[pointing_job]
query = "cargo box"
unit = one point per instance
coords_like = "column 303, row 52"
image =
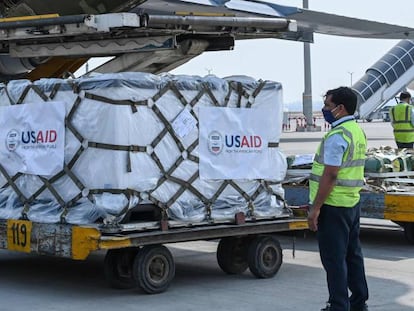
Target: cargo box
column 97, row 149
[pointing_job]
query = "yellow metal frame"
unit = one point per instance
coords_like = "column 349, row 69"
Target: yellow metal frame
column 86, row 240
column 399, row 207
column 298, row 225
column 55, row 67
column 77, row 242
column 27, row 18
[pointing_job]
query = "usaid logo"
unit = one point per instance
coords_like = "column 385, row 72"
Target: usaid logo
column 215, row 142
column 12, row 140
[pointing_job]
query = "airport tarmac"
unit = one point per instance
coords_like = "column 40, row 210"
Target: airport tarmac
column 378, row 133
column 39, row 283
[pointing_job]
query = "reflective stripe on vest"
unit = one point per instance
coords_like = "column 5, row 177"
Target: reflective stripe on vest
column 350, row 177
column 342, row 182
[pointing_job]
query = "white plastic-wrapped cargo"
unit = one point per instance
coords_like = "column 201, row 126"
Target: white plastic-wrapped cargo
column 93, row 149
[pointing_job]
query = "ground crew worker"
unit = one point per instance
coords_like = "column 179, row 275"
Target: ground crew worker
column 402, row 120
column 336, row 179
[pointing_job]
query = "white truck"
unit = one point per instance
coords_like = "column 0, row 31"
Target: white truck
column 381, row 114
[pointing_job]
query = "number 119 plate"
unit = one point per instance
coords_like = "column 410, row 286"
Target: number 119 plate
column 18, row 235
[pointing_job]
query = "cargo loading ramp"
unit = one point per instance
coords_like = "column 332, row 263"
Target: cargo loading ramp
column 172, row 33
column 155, row 43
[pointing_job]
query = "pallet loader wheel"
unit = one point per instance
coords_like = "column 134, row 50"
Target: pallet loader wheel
column 264, row 256
column 232, row 255
column 118, row 267
column 154, row 269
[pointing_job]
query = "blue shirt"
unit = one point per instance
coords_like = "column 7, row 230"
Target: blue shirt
column 335, row 145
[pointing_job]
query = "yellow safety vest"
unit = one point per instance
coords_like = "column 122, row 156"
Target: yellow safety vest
column 401, row 122
column 351, row 174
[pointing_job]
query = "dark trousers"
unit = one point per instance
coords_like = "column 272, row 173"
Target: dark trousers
column 404, row 145
column 341, row 256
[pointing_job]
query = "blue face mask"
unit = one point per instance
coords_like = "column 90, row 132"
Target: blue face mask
column 328, row 115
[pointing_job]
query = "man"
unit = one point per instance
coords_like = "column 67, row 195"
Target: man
column 402, row 118
column 336, row 179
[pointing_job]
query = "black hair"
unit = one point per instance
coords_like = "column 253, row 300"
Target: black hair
column 345, row 96
column 404, row 95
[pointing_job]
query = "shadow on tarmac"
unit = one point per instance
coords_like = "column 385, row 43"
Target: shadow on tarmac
column 200, row 282
column 382, row 244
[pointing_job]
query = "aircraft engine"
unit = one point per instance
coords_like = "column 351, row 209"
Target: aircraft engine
column 13, row 67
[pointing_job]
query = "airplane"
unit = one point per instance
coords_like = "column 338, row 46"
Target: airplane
column 45, row 38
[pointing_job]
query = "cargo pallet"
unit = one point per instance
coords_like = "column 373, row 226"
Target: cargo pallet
column 136, row 256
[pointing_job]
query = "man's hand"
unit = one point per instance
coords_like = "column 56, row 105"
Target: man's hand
column 313, row 218
column 326, row 184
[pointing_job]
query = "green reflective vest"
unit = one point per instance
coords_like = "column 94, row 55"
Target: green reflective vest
column 401, row 122
column 351, row 174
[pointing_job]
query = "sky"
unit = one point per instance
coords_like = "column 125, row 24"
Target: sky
column 334, row 60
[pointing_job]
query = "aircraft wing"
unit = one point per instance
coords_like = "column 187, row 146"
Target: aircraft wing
column 163, row 35
column 307, row 23
column 336, row 25
column 307, row 20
